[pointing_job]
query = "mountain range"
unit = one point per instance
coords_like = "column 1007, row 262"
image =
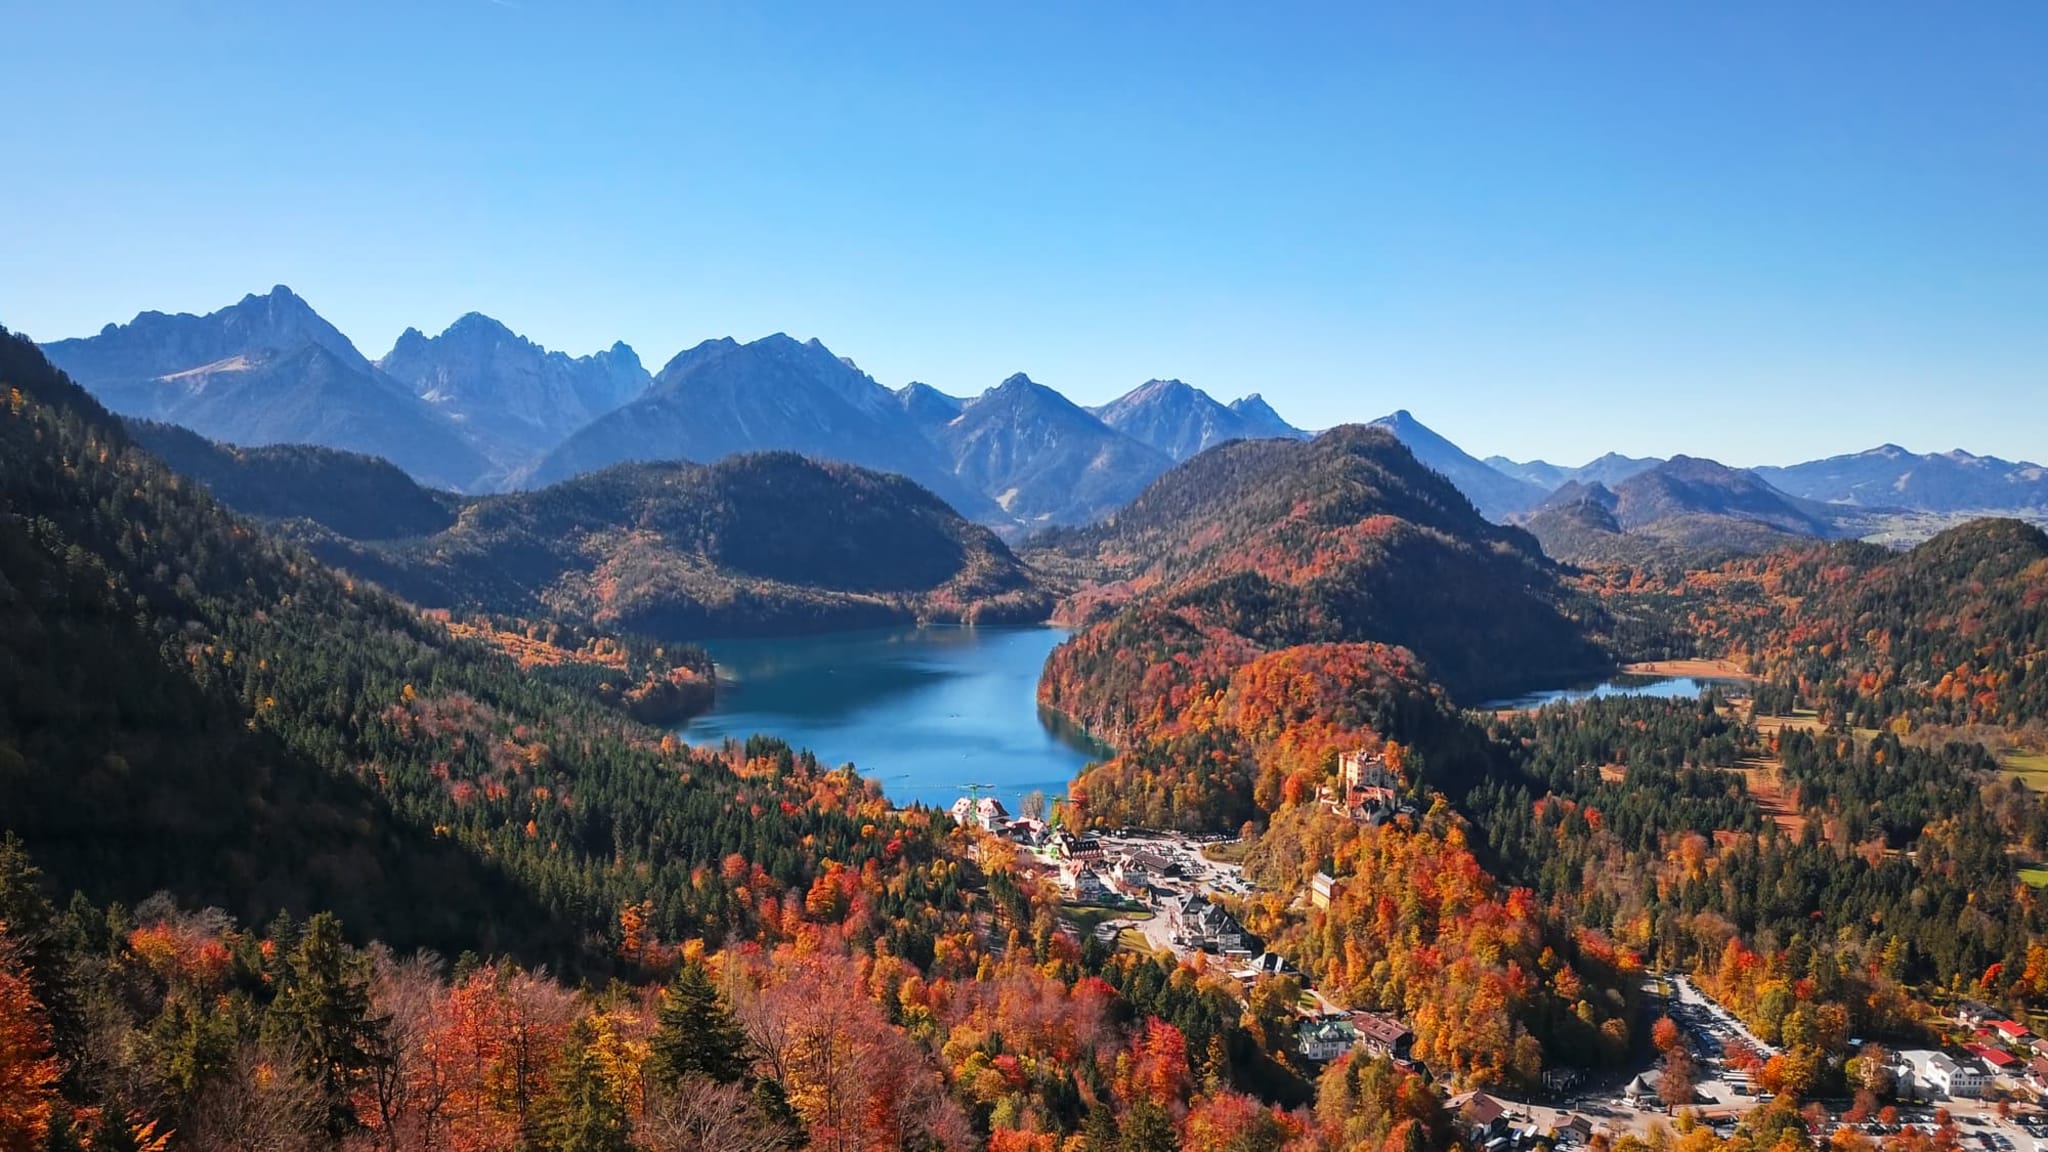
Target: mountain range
column 1890, row 476
column 480, row 408
column 1681, row 508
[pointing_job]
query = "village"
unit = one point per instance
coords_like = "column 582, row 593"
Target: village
column 1165, row 892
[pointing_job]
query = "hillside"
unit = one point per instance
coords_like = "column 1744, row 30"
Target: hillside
column 1946, row 634
column 1042, row 458
column 362, row 497
column 190, row 705
column 1263, row 545
column 1682, row 510
column 268, row 370
column 759, row 543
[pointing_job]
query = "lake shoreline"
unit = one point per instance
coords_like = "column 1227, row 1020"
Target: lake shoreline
column 1696, row 669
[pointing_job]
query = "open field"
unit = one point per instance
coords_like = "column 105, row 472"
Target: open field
column 2034, row 876
column 1804, row 719
column 2031, row 767
column 1698, row 669
column 1087, row 917
column 1761, row 778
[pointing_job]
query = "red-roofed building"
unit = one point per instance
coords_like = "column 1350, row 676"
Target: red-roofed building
column 1999, row 1059
column 2012, row 1030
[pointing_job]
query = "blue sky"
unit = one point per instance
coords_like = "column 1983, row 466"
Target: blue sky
column 1758, row 232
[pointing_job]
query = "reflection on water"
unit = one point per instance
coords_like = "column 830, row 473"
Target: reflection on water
column 1620, row 684
column 924, row 710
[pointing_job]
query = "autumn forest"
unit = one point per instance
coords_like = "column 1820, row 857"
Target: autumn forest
column 339, row 815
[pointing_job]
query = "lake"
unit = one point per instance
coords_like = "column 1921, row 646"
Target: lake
column 1620, row 684
column 923, row 710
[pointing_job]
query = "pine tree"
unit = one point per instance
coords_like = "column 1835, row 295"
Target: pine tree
column 697, row 1034
column 323, row 1011
column 1099, row 1130
column 1147, row 1128
column 580, row 1113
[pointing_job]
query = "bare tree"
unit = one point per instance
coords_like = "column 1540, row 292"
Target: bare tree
column 407, row 1091
column 702, row 1116
column 261, row 1105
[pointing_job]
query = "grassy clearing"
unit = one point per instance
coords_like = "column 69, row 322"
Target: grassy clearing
column 2034, row 876
column 1225, row 852
column 2031, row 767
column 1088, row 917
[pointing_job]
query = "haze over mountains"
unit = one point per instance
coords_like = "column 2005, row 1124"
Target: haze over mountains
column 480, row 408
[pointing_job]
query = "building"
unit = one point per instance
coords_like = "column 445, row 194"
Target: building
column 1383, row 1035
column 1323, row 889
column 1325, row 1038
column 987, row 813
column 1195, row 922
column 1477, row 1115
column 1644, row 1088
column 2013, row 1032
column 1263, row 965
column 1081, row 883
column 1361, row 769
column 1974, row 1012
column 1926, row 1074
column 1997, row 1059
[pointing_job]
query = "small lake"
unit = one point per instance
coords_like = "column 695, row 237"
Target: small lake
column 1621, row 684
column 923, row 710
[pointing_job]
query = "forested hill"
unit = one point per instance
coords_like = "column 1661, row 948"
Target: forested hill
column 759, row 543
column 1342, row 538
column 1316, row 588
column 188, row 704
column 364, row 497
column 1949, row 633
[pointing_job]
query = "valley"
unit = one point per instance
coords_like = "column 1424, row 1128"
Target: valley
column 701, row 729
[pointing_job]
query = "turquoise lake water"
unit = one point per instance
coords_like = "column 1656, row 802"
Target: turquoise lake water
column 924, row 710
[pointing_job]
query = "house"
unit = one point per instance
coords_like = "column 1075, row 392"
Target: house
column 1325, row 1038
column 987, row 812
column 2037, row 1075
column 1644, row 1088
column 1973, row 1012
column 1081, row 883
column 1132, row 880
column 1926, row 1074
column 1477, row 1114
column 1998, row 1058
column 1323, row 889
column 1383, row 1035
column 2013, row 1032
column 1263, row 965
column 1197, row 923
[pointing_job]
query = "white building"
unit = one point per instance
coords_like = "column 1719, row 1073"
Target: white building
column 1326, row 1038
column 987, row 812
column 1924, row 1073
